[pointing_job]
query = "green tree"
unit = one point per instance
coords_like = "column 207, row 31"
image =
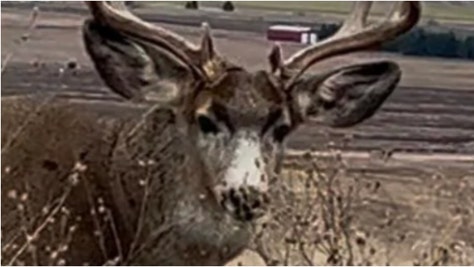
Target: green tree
column 411, row 43
column 469, row 43
column 327, row 30
column 450, row 46
column 441, row 44
column 466, row 48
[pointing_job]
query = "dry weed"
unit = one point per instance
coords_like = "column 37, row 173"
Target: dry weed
column 313, row 221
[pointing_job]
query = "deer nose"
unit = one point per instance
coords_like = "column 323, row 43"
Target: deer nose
column 244, row 203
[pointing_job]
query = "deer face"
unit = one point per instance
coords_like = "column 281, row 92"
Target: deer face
column 238, row 129
column 239, row 120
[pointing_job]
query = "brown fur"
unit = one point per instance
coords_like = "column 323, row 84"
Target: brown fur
column 243, row 99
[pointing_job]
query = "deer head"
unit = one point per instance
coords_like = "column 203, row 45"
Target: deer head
column 237, row 120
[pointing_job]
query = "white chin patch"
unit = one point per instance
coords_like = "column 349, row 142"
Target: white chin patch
column 247, row 167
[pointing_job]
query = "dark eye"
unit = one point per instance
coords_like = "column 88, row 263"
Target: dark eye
column 207, row 125
column 280, row 132
column 271, row 120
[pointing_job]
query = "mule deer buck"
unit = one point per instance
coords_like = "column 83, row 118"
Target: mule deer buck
column 185, row 183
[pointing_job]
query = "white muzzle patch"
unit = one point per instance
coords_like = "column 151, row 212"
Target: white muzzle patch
column 247, row 165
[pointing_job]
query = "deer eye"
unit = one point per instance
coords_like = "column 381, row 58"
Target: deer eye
column 271, row 120
column 280, row 132
column 207, row 125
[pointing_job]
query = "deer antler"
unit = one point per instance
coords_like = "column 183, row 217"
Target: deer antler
column 355, row 35
column 124, row 21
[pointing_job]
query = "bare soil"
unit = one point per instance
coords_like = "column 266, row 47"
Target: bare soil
column 419, row 148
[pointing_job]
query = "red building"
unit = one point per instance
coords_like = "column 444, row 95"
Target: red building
column 286, row 33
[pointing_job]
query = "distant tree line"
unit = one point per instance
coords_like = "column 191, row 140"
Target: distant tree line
column 421, row 42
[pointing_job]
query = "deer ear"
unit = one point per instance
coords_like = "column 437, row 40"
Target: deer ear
column 132, row 68
column 348, row 95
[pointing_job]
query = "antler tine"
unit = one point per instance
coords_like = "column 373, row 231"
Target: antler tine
column 207, row 45
column 120, row 5
column 356, row 35
column 357, row 18
column 123, row 20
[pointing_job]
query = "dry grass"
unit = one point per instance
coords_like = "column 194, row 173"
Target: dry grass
column 316, row 220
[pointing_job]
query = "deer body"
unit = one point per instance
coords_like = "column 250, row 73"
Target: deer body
column 185, row 182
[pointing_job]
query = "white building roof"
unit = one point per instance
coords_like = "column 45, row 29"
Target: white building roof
column 289, row 28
